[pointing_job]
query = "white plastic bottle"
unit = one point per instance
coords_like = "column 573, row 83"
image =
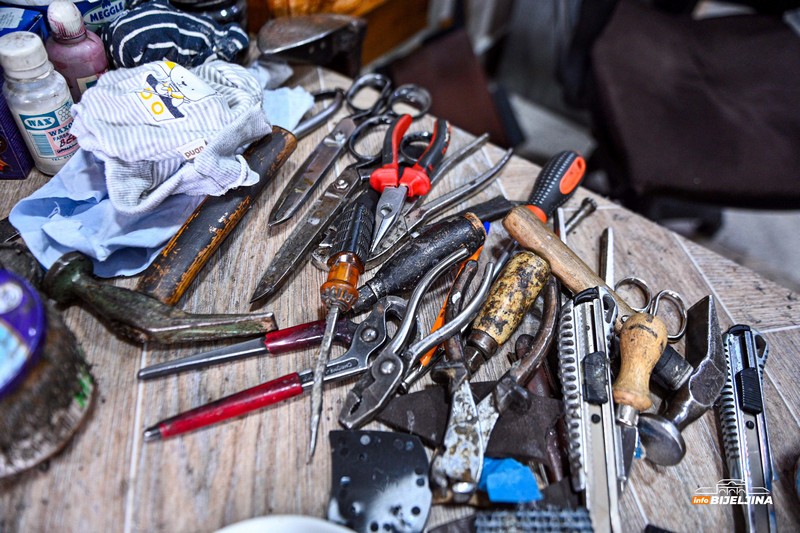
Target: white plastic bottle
column 39, row 100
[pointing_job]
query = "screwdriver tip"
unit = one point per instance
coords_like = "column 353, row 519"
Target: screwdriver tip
column 152, row 434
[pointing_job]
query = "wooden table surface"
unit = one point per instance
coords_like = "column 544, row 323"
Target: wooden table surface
column 108, row 479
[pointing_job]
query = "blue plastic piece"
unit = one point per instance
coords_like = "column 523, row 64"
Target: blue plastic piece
column 508, row 481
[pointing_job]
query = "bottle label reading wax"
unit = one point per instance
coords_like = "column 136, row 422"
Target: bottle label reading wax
column 50, row 133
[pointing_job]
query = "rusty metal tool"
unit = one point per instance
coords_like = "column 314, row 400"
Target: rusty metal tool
column 340, row 290
column 376, row 387
column 671, row 370
column 508, row 391
column 273, row 343
column 178, row 264
column 460, row 462
column 320, row 255
column 325, row 39
column 742, row 415
column 661, row 433
column 584, row 345
column 372, row 333
column 139, row 317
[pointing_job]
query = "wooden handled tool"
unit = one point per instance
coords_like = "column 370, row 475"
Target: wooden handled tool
column 524, row 226
column 641, row 343
column 511, row 296
column 188, row 251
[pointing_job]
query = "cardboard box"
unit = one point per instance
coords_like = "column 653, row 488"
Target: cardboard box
column 15, row 160
column 18, row 19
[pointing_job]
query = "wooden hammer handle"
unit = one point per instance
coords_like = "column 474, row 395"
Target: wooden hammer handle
column 531, row 233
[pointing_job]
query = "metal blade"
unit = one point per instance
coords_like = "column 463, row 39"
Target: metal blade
column 309, row 175
column 308, row 232
column 387, row 212
column 202, row 360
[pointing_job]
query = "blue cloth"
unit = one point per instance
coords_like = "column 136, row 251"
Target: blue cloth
column 73, row 212
column 508, row 481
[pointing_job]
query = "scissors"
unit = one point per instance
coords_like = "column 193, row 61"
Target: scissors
column 323, row 212
column 393, row 181
column 321, row 160
column 652, row 301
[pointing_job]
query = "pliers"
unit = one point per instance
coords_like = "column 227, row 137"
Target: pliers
column 396, row 183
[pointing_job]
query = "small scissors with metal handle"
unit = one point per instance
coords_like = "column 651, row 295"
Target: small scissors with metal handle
column 652, row 301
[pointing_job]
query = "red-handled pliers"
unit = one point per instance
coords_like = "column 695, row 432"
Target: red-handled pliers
column 396, row 183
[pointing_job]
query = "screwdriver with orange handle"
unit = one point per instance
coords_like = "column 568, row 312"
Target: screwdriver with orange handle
column 555, row 184
column 340, row 291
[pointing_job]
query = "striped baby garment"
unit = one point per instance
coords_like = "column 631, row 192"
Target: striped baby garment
column 162, row 129
column 156, row 31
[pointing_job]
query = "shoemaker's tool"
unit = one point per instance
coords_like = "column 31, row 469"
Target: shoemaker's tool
column 652, row 301
column 138, row 317
column 595, row 443
column 434, row 244
column 512, row 295
column 375, row 388
column 46, row 386
column 661, row 433
column 520, row 434
column 349, row 184
column 273, row 343
column 460, row 462
column 742, row 416
column 455, row 472
column 378, row 481
column 420, row 213
column 369, row 337
column 396, row 183
column 340, row 290
column 324, row 39
column 672, row 370
column 317, row 165
column 168, row 277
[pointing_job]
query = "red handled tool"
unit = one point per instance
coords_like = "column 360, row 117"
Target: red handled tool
column 396, row 183
column 369, row 337
column 273, row 343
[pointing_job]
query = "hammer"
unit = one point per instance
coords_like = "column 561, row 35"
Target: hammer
column 671, row 370
column 660, row 433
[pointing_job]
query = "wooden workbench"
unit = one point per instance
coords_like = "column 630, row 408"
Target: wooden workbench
column 108, row 479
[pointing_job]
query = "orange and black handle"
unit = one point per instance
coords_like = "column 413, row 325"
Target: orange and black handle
column 556, row 183
column 349, row 251
column 187, row 252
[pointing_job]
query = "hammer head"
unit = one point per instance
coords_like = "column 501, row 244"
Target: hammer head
column 660, row 433
column 704, row 351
